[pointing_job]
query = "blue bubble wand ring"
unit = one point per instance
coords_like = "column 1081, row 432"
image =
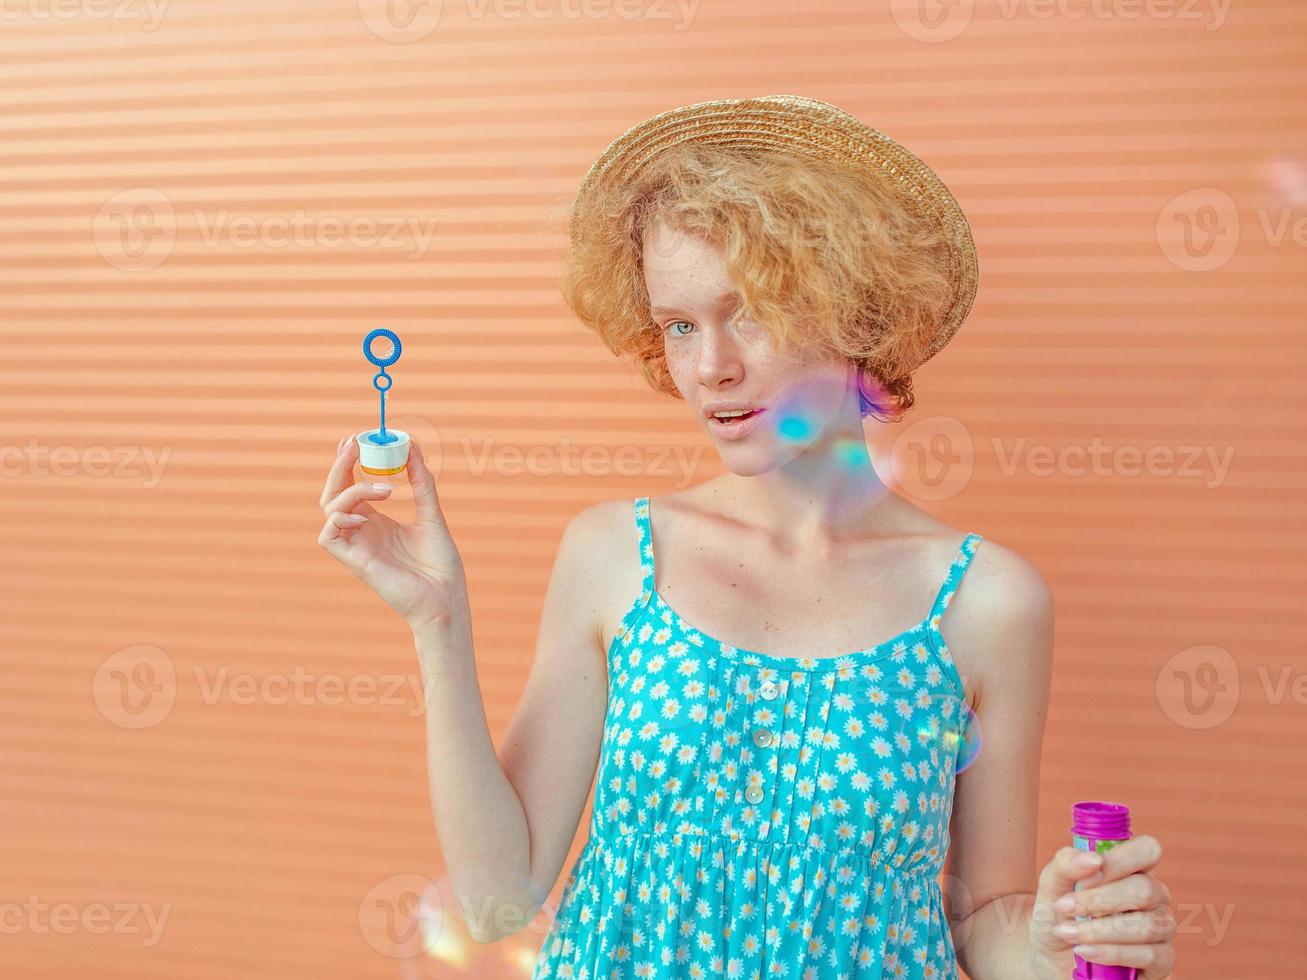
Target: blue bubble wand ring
column 382, row 451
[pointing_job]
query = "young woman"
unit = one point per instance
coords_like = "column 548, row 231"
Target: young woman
column 761, row 667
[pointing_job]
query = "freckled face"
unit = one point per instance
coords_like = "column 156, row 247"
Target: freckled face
column 795, row 395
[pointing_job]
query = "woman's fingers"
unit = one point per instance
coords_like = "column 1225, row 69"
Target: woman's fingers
column 1140, row 853
column 426, row 502
column 1138, row 891
column 356, row 495
column 334, row 535
column 1153, row 960
column 341, row 473
column 1150, row 926
column 1068, row 866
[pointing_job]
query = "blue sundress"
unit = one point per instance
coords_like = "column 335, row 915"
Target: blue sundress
column 765, row 816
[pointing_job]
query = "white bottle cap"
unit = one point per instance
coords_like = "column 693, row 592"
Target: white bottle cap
column 384, row 458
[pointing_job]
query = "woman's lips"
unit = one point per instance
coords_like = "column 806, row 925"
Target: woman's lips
column 737, row 429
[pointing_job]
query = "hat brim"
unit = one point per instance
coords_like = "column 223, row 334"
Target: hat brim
column 805, row 126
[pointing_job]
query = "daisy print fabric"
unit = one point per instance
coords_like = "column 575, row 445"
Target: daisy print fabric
column 757, row 815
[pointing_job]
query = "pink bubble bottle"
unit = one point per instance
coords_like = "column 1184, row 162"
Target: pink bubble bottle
column 1099, row 826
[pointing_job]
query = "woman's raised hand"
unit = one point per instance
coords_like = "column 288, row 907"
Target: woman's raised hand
column 414, row 567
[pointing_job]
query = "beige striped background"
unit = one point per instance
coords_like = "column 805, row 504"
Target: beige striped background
column 203, row 208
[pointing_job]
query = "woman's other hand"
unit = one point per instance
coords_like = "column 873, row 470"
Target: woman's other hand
column 1131, row 921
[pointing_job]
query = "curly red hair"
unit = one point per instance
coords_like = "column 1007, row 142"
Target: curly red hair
column 806, row 241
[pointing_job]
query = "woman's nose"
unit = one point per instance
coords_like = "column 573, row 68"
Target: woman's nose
column 719, row 359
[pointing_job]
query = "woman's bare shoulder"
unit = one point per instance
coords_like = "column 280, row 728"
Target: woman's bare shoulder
column 1000, row 619
column 605, row 541
column 1004, row 587
column 1001, row 587
column 1002, row 596
column 603, row 532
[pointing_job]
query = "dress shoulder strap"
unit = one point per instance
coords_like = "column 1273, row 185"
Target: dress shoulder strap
column 646, row 544
column 956, row 570
column 641, row 602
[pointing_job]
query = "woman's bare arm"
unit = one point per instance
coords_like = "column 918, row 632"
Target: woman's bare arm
column 1002, row 615
column 506, row 823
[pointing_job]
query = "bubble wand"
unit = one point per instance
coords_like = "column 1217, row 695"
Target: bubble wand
column 382, row 451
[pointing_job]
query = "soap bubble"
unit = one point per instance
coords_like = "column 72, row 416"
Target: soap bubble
column 1289, row 179
column 795, row 426
column 970, row 739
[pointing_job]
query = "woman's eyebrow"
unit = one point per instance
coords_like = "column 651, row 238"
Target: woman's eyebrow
column 721, row 301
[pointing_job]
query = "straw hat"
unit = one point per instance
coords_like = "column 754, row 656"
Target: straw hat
column 805, row 126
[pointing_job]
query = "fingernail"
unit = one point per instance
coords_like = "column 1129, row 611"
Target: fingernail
column 382, row 487
column 355, row 518
column 1065, row 904
column 1067, row 930
column 1091, row 881
column 1087, row 861
column 1088, row 952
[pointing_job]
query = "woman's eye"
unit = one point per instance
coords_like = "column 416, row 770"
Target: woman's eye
column 676, row 323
